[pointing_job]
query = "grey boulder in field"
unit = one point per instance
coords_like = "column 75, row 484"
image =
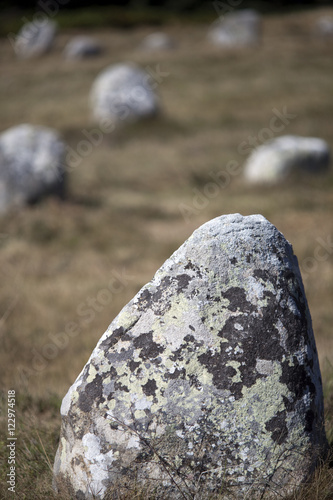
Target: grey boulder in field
column 275, row 160
column 35, row 38
column 236, row 29
column 31, row 165
column 122, row 93
column 207, row 381
column 81, row 47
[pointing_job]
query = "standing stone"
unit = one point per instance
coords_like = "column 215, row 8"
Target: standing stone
column 207, row 381
column 81, row 47
column 31, row 165
column 238, row 29
column 122, row 93
column 273, row 161
column 35, row 38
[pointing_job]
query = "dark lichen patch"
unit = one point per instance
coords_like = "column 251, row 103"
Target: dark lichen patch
column 117, row 334
column 262, row 274
column 309, row 420
column 277, row 425
column 215, row 364
column 155, row 299
column 149, row 348
column 297, row 378
column 150, row 388
column 189, row 345
column 133, row 365
column 118, row 386
column 183, row 282
column 193, row 267
column 195, row 382
column 93, row 392
column 237, row 300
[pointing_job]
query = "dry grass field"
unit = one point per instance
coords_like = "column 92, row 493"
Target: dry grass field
column 137, row 195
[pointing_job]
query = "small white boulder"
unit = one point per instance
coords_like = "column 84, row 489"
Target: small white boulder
column 81, row 47
column 273, row 161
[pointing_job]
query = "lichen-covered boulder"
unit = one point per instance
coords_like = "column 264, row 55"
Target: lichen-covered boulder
column 207, row 381
column 275, row 160
column 122, row 93
column 32, row 165
column 237, row 29
column 35, row 38
column 81, row 47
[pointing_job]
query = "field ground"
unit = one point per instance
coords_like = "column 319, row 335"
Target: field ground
column 140, row 193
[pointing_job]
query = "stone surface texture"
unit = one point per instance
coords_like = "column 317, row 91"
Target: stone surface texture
column 273, row 161
column 35, row 39
column 207, row 381
column 122, row 93
column 81, row 47
column 31, row 165
column 237, row 29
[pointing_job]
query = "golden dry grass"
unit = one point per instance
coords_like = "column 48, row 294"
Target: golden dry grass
column 124, row 213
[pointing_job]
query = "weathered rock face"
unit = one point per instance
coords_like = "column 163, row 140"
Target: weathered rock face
column 238, row 29
column 35, row 38
column 81, row 47
column 207, row 381
column 123, row 93
column 275, row 160
column 31, row 165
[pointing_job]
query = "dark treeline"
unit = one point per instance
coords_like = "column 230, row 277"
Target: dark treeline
column 176, row 5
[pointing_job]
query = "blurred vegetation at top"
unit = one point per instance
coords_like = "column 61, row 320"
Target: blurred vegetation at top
column 129, row 13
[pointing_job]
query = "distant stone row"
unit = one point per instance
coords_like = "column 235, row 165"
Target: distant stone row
column 33, row 163
column 237, row 29
column 33, row 159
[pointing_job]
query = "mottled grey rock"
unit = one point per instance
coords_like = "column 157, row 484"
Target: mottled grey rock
column 157, row 41
column 240, row 28
column 35, row 38
column 31, row 165
column 81, row 47
column 121, row 93
column 273, row 161
column 207, row 381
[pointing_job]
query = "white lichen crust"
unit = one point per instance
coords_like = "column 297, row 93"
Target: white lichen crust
column 207, row 381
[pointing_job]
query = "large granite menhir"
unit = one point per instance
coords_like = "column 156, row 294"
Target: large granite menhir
column 207, row 381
